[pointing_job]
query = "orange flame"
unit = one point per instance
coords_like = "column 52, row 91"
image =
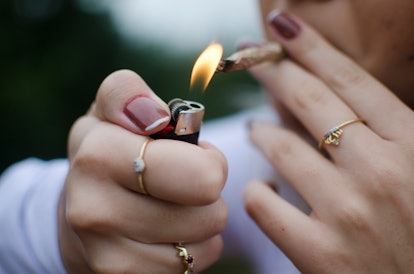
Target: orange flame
column 205, row 66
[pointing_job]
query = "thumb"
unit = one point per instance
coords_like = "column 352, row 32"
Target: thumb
column 126, row 100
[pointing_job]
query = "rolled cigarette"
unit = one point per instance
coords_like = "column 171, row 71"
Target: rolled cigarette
column 252, row 56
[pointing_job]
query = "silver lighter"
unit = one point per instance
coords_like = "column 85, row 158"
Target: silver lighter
column 185, row 124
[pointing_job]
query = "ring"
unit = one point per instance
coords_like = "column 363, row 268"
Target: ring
column 139, row 167
column 188, row 259
column 333, row 136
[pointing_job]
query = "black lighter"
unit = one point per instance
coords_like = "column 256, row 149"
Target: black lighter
column 185, row 124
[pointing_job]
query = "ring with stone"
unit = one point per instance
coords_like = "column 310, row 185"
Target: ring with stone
column 333, row 136
column 139, row 167
column 187, row 258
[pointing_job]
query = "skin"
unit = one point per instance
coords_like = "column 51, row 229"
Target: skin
column 361, row 194
column 376, row 34
column 105, row 224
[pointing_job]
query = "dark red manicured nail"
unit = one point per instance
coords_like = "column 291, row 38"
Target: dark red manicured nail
column 283, row 24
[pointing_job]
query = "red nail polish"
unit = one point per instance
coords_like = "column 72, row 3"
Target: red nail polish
column 284, row 25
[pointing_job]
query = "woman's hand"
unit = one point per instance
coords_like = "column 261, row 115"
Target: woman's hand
column 362, row 195
column 105, row 224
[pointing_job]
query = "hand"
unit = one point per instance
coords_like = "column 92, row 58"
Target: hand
column 362, row 194
column 105, row 224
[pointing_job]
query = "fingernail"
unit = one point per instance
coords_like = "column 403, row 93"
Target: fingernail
column 145, row 113
column 247, row 44
column 283, row 24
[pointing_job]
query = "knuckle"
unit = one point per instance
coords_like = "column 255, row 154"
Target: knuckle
column 284, row 146
column 388, row 179
column 80, row 219
column 277, row 153
column 332, row 257
column 210, row 187
column 77, row 218
column 211, row 181
column 249, row 199
column 218, row 222
column 385, row 172
column 385, row 176
column 109, row 261
column 348, row 75
column 86, row 163
column 89, row 167
column 252, row 200
column 90, row 158
column 89, row 212
column 352, row 216
column 213, row 222
column 311, row 97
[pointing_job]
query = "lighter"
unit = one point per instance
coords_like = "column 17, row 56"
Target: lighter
column 185, row 124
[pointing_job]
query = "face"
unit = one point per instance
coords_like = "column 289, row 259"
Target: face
column 378, row 34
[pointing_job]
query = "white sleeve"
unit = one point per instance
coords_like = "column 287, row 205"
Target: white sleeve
column 30, row 190
column 29, row 194
column 245, row 162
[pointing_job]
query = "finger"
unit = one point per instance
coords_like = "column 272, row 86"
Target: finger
column 79, row 130
column 285, row 225
column 205, row 253
column 301, row 165
column 314, row 105
column 174, row 171
column 188, row 174
column 120, row 255
column 138, row 217
column 125, row 99
column 370, row 100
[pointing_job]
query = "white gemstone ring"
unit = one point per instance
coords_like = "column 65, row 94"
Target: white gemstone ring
column 139, row 167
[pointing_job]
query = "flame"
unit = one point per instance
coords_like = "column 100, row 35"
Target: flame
column 205, row 66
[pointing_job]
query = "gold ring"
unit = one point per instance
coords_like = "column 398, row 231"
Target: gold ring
column 187, row 258
column 333, row 136
column 139, row 167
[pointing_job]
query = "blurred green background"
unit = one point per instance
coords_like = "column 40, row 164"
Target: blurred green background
column 55, row 55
